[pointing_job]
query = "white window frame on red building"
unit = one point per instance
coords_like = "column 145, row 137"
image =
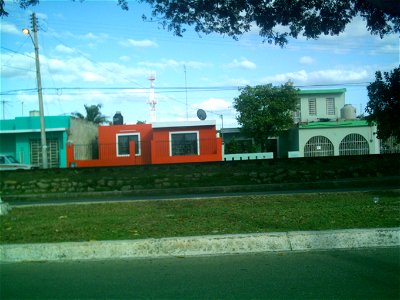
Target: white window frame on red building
column 137, row 148
column 171, row 152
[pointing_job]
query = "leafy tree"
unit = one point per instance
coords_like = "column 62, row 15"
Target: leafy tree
column 233, row 18
column 93, row 114
column 310, row 18
column 384, row 104
column 231, row 147
column 266, row 111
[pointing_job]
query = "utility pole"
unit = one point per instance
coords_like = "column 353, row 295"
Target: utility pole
column 187, row 115
column 39, row 88
column 3, row 102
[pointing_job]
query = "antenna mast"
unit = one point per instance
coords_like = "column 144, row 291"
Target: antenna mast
column 152, row 98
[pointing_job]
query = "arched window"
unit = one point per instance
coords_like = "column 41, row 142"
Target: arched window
column 318, row 146
column 354, row 144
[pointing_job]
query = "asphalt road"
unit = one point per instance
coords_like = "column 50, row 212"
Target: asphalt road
column 343, row 274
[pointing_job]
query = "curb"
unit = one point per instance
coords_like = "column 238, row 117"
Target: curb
column 203, row 245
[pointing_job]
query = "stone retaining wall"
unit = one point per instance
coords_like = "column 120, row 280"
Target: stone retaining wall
column 153, row 177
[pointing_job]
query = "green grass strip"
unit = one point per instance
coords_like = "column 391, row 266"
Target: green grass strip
column 231, row 215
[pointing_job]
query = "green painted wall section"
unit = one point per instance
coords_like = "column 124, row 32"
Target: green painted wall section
column 7, row 125
column 351, row 123
column 326, row 91
column 33, row 123
column 18, row 143
column 7, row 144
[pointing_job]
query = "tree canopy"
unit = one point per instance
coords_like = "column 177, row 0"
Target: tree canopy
column 384, row 104
column 266, row 111
column 93, row 114
column 310, row 18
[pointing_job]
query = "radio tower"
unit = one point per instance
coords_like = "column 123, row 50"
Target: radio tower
column 152, row 98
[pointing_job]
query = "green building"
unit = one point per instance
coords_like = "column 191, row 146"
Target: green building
column 20, row 137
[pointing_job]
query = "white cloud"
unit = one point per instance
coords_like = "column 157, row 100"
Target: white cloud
column 9, row 28
column 56, row 65
column 236, row 82
column 355, row 29
column 213, row 104
column 172, row 63
column 306, row 60
column 139, row 43
column 124, row 58
column 64, row 49
column 299, row 76
column 115, row 101
column 90, row 36
column 69, row 69
column 196, row 64
column 92, row 77
column 101, row 37
column 19, row 66
column 339, row 75
column 388, row 48
column 327, row 76
column 41, row 16
column 242, row 63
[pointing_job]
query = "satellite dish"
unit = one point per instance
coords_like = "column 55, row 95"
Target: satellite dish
column 201, row 114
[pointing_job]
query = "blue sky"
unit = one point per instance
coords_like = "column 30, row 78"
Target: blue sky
column 96, row 53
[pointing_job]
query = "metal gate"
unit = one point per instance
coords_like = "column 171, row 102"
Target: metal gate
column 53, row 153
column 354, row 144
column 318, row 146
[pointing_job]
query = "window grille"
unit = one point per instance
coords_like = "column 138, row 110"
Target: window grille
column 318, row 146
column 53, row 153
column 312, row 107
column 330, row 106
column 354, row 144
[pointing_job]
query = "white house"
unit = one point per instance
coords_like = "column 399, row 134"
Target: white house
column 317, row 105
column 326, row 126
column 344, row 137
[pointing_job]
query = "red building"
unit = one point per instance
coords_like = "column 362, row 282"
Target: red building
column 158, row 143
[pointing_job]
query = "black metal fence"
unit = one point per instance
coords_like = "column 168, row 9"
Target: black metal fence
column 161, row 148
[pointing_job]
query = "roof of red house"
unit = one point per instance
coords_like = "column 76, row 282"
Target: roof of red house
column 183, row 124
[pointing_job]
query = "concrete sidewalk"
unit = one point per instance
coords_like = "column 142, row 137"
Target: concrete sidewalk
column 203, row 245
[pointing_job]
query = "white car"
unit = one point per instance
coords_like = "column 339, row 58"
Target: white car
column 8, row 162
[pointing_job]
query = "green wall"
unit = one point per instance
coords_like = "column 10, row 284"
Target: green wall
column 15, row 136
column 7, row 144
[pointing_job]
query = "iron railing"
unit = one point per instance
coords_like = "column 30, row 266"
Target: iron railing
column 146, row 148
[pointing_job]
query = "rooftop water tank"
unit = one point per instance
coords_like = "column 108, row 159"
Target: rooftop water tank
column 348, row 112
column 118, row 119
column 34, row 113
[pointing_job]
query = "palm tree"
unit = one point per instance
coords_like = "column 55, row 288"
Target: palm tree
column 93, row 114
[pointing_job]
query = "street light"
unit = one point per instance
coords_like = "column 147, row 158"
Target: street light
column 34, row 40
column 26, row 31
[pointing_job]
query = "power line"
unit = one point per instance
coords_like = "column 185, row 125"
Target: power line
column 164, row 90
column 174, row 89
column 17, row 68
column 16, row 52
